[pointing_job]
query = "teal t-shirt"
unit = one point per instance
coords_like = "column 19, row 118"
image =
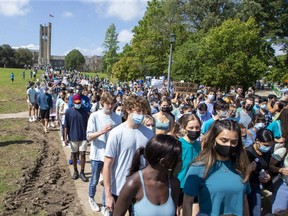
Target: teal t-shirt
column 206, row 125
column 275, row 127
column 189, row 153
column 222, row 192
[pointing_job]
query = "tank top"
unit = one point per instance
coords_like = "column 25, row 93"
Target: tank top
column 145, row 208
column 161, row 125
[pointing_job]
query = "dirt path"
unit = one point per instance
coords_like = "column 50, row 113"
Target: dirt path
column 46, row 188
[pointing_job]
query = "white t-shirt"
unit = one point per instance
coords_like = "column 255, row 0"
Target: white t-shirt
column 31, row 95
column 121, row 145
column 96, row 122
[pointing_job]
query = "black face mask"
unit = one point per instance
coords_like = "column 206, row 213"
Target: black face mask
column 193, row 135
column 225, row 151
column 165, row 109
column 249, row 107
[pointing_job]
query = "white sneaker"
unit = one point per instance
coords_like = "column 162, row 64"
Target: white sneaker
column 105, row 211
column 93, row 205
column 30, row 119
column 33, row 119
column 52, row 125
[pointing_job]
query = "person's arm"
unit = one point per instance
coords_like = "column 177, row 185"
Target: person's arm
column 187, row 205
column 107, row 170
column 245, row 206
column 126, row 196
column 175, row 187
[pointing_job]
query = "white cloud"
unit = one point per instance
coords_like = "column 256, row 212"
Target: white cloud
column 125, row 36
column 67, row 14
column 278, row 49
column 124, row 9
column 88, row 52
column 29, row 46
column 14, row 7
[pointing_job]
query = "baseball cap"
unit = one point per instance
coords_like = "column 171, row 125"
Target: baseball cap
column 76, row 98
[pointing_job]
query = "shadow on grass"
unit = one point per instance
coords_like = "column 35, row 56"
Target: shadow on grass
column 13, row 142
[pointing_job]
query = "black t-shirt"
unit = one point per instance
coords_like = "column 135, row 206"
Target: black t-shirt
column 262, row 162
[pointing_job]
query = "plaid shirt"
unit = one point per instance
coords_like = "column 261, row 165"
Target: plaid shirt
column 268, row 118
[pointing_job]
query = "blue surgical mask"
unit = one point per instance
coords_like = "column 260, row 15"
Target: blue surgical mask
column 264, row 106
column 137, row 118
column 77, row 106
column 264, row 149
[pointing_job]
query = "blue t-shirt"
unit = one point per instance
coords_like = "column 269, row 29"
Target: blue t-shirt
column 275, row 127
column 189, row 152
column 76, row 122
column 222, row 192
column 206, row 125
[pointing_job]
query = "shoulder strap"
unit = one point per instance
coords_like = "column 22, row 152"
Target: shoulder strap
column 142, row 182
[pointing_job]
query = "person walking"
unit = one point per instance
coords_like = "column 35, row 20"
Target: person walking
column 99, row 125
column 75, row 126
column 31, row 101
column 122, row 143
column 219, row 176
column 45, row 104
column 153, row 188
column 12, row 77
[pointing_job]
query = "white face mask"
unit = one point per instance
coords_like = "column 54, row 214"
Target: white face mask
column 150, row 127
column 211, row 97
column 120, row 113
column 258, row 126
column 223, row 114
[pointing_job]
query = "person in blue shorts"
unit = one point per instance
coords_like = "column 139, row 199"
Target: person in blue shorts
column 219, row 175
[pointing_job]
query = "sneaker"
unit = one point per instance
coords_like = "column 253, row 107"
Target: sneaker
column 45, row 130
column 33, row 119
column 75, row 175
column 52, row 125
column 78, row 162
column 93, row 205
column 105, row 211
column 83, row 177
column 30, row 120
column 70, row 161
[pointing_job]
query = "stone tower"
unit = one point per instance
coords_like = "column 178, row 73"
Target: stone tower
column 45, row 45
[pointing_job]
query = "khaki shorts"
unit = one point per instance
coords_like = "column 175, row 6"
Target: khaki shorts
column 78, row 146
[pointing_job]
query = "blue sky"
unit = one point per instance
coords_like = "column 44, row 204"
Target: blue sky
column 77, row 24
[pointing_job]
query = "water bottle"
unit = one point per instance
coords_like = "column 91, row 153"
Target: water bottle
column 262, row 174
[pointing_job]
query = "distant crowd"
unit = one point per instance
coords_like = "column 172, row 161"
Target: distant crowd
column 159, row 152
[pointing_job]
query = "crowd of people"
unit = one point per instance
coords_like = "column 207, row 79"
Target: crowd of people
column 198, row 153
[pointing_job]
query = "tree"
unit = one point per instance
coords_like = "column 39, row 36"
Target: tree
column 23, row 56
column 7, row 56
column 111, row 46
column 231, row 54
column 74, row 60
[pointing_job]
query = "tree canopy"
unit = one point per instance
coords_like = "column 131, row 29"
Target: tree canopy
column 74, row 60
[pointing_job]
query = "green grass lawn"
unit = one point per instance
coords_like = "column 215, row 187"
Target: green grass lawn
column 12, row 156
column 13, row 95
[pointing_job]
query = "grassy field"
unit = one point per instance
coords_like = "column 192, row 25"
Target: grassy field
column 13, row 95
column 13, row 157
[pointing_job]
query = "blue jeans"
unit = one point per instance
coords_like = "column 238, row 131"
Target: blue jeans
column 96, row 167
column 254, row 200
column 280, row 198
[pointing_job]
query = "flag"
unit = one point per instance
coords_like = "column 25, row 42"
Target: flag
column 50, row 15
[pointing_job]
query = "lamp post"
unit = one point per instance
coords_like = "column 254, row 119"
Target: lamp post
column 172, row 41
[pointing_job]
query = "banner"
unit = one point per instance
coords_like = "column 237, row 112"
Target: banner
column 156, row 83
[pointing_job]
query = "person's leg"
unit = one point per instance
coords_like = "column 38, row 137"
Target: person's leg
column 74, row 148
column 29, row 111
column 96, row 167
column 82, row 152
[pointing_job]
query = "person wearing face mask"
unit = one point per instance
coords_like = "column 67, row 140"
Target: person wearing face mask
column 164, row 121
column 244, row 114
column 263, row 110
column 148, row 121
column 31, row 101
column 259, row 155
column 121, row 145
column 219, row 176
column 85, row 101
column 221, row 109
column 202, row 112
column 257, row 123
column 153, row 190
column 191, row 147
column 100, row 123
column 75, row 125
column 118, row 109
column 210, row 100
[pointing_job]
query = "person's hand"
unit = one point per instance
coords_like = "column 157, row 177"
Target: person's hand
column 283, row 171
column 107, row 128
column 265, row 179
column 110, row 202
column 66, row 142
column 252, row 166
